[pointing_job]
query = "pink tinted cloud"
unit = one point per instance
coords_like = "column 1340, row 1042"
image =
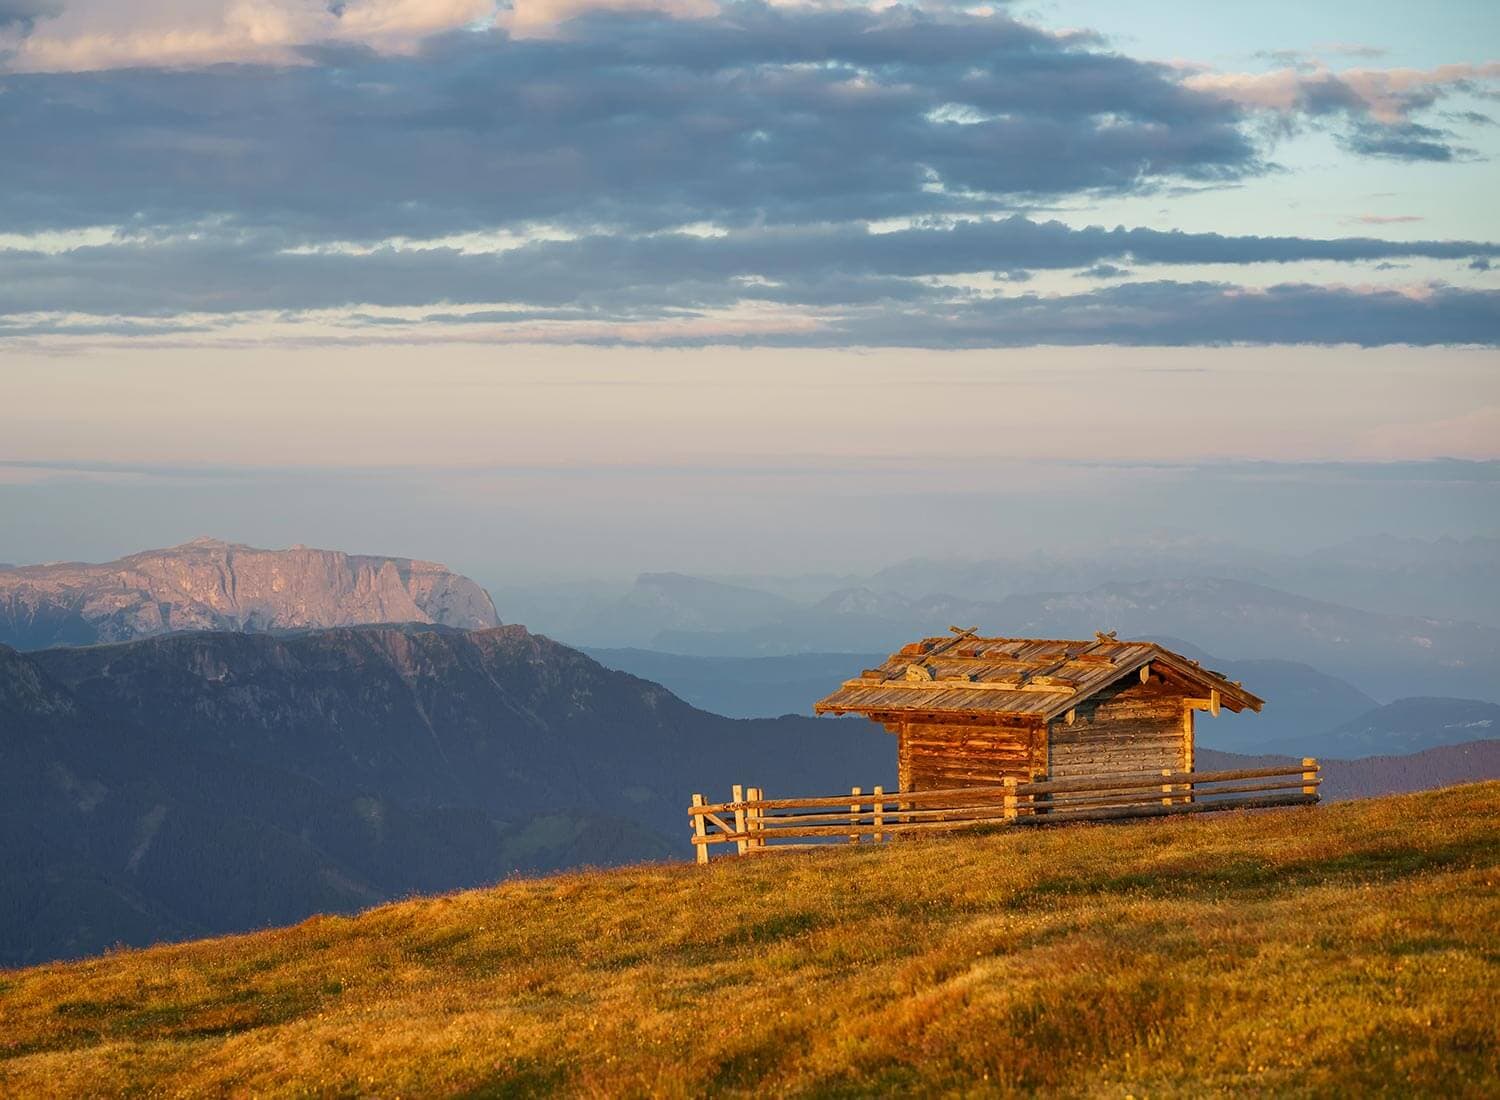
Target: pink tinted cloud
column 537, row 18
column 90, row 35
column 104, row 34
column 1387, row 95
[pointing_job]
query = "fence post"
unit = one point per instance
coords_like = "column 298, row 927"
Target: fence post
column 752, row 819
column 1010, row 797
column 699, row 831
column 1309, row 775
column 737, row 796
column 1166, row 787
column 854, row 793
column 879, row 808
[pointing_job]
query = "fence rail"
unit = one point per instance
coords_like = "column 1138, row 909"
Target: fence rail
column 755, row 824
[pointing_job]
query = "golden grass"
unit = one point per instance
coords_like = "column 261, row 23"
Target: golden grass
column 1344, row 950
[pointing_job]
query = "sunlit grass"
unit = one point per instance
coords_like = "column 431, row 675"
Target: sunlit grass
column 1352, row 949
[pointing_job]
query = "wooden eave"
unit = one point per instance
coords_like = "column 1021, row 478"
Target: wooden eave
column 1034, row 678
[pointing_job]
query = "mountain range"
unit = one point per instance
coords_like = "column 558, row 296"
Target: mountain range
column 1408, row 726
column 1384, row 656
column 1439, row 578
column 205, row 782
column 1449, row 578
column 209, row 584
column 1371, row 776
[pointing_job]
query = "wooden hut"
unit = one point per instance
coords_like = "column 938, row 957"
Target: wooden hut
column 973, row 711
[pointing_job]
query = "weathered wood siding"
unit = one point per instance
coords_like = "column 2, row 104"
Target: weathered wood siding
column 933, row 756
column 1128, row 728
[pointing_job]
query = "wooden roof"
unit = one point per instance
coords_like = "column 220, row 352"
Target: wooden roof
column 1032, row 677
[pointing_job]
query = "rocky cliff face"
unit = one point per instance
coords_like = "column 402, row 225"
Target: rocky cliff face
column 208, row 584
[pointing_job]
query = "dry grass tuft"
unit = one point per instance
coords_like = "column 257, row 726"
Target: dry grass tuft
column 1344, row 950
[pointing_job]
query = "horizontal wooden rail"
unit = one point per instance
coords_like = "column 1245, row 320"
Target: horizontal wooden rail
column 891, row 811
column 1155, row 793
column 843, row 831
column 843, row 800
column 1054, row 786
column 1112, row 814
column 755, row 824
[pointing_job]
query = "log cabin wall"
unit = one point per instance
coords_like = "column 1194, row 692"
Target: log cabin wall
column 934, row 755
column 1129, row 727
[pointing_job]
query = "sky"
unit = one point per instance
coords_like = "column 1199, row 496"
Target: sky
column 573, row 287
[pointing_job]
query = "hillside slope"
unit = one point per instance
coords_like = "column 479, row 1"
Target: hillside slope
column 209, row 584
column 199, row 783
column 1349, row 949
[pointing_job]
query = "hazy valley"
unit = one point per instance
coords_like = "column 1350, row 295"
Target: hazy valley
column 1385, row 655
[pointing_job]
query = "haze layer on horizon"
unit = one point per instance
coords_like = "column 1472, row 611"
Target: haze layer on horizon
column 552, row 463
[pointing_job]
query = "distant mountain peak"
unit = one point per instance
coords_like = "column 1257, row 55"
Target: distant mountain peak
column 211, row 584
column 860, row 601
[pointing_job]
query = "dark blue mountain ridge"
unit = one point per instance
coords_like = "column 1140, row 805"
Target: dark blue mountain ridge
column 195, row 783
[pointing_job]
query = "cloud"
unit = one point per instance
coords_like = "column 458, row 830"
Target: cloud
column 530, row 18
column 1309, row 59
column 1183, row 314
column 23, row 14
column 90, row 35
column 1378, row 103
column 383, row 162
column 764, row 115
column 377, row 21
column 1387, row 95
column 1352, row 49
column 1388, row 219
column 1406, row 141
column 760, row 286
column 102, row 34
column 817, row 266
column 1159, row 314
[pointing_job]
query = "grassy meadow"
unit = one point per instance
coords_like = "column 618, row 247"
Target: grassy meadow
column 1352, row 949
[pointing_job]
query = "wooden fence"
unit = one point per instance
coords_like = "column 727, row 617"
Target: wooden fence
column 755, row 824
